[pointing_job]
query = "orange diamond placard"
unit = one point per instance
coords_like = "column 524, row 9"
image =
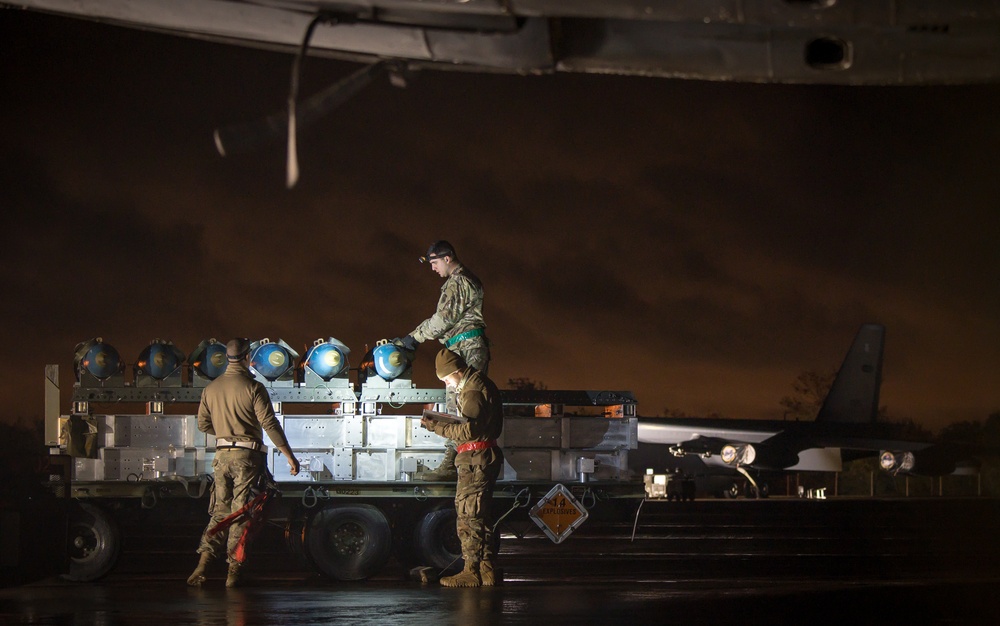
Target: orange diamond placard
column 558, row 514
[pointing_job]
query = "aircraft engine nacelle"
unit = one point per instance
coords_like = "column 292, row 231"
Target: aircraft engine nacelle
column 916, row 463
column 738, row 454
column 757, row 455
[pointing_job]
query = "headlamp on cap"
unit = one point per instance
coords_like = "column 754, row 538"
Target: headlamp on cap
column 438, row 250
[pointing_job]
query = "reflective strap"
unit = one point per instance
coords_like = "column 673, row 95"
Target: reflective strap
column 472, row 446
column 469, row 334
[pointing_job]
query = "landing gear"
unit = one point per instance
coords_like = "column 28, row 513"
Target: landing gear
column 747, row 490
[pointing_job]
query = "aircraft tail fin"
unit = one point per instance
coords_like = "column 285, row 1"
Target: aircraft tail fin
column 854, row 395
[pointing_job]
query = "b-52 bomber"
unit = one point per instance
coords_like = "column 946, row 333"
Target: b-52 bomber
column 846, row 427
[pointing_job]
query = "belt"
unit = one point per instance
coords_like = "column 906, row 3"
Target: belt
column 472, row 446
column 469, row 334
column 231, row 443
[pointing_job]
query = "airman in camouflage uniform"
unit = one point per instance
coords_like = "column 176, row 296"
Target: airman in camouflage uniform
column 479, row 462
column 458, row 324
column 237, row 410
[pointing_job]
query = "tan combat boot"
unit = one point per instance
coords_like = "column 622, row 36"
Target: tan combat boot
column 444, row 472
column 233, row 579
column 468, row 577
column 197, row 577
column 489, row 574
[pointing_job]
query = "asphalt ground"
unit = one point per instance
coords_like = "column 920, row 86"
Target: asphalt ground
column 774, row 561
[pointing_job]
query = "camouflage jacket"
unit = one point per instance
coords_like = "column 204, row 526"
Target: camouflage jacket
column 459, row 309
column 479, row 402
column 235, row 406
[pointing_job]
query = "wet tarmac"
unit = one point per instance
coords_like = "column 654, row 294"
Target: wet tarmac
column 776, row 561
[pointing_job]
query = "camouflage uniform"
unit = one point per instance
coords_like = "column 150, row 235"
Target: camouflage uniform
column 235, row 407
column 459, row 309
column 479, row 402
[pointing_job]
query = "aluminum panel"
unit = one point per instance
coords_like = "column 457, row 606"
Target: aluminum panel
column 386, row 432
column 419, row 437
column 152, row 431
column 375, row 465
column 88, row 469
column 136, row 463
column 316, row 432
column 532, row 432
column 612, row 466
column 527, row 465
column 312, row 467
column 343, row 464
column 600, row 433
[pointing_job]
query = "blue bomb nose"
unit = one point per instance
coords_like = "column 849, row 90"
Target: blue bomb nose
column 102, row 361
column 390, row 361
column 213, row 362
column 159, row 360
column 326, row 360
column 271, row 360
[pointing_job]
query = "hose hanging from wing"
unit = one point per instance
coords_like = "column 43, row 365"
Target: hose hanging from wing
column 241, row 137
column 292, row 164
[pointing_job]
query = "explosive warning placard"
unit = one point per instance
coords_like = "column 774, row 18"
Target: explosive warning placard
column 558, row 513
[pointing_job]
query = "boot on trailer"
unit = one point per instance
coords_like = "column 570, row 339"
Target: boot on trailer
column 444, row 472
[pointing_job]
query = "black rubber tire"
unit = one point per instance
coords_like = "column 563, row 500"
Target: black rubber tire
column 348, row 542
column 436, row 540
column 295, row 532
column 95, row 542
column 733, row 491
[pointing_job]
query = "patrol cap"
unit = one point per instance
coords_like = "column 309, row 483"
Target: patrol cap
column 236, row 349
column 447, row 362
column 437, row 250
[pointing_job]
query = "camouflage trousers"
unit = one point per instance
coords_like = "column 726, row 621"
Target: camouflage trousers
column 237, row 470
column 473, row 503
column 476, row 353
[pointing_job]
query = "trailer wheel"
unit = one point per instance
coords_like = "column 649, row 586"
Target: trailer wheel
column 295, row 532
column 733, row 491
column 94, row 543
column 348, row 542
column 437, row 541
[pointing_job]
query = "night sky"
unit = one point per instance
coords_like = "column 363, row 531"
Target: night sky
column 698, row 243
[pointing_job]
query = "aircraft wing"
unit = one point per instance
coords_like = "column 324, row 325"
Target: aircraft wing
column 846, row 426
column 801, row 446
column 848, row 42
